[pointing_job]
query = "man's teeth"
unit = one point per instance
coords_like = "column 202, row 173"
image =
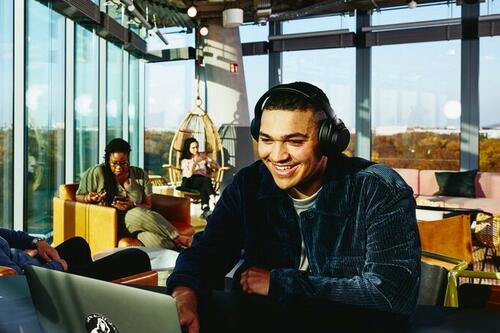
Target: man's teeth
column 283, row 167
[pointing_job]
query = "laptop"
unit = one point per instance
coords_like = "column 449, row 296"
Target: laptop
column 70, row 303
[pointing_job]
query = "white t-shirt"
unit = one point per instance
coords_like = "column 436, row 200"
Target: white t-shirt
column 301, row 205
column 199, row 169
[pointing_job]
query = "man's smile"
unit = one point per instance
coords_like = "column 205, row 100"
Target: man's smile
column 285, row 170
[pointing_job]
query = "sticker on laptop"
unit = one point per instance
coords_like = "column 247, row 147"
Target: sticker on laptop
column 97, row 323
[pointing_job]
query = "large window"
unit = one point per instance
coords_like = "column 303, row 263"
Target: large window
column 423, row 12
column 116, row 11
column 490, row 7
column 114, row 89
column 416, row 105
column 44, row 159
column 133, row 109
column 254, row 32
column 320, row 24
column 489, row 101
column 6, row 111
column 332, row 70
column 256, row 69
column 169, row 98
column 175, row 37
column 86, row 138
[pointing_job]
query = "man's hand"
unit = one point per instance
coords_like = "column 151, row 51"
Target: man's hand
column 48, row 253
column 256, row 281
column 187, row 307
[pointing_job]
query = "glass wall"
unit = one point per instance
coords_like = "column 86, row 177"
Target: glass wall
column 320, row 24
column 114, row 92
column 133, row 109
column 175, row 37
column 416, row 105
column 490, row 7
column 44, row 98
column 116, row 11
column 423, row 12
column 254, row 32
column 256, row 69
column 332, row 70
column 489, row 101
column 86, row 105
column 168, row 101
column 6, row 111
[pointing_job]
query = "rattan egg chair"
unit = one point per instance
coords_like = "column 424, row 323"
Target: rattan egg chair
column 197, row 124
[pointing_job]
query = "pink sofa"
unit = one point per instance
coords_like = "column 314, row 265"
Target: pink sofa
column 424, row 185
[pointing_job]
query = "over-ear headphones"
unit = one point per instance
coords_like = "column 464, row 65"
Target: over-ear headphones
column 333, row 135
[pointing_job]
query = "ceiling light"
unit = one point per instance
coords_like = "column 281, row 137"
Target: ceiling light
column 130, row 8
column 203, row 31
column 412, row 4
column 232, row 17
column 192, row 11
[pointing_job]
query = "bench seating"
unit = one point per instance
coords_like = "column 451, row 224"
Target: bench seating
column 424, row 185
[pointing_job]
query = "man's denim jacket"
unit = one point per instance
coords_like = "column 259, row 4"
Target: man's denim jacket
column 361, row 238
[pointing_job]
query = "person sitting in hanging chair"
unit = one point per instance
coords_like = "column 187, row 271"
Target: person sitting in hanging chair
column 195, row 169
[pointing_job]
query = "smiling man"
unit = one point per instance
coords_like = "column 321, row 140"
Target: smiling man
column 322, row 236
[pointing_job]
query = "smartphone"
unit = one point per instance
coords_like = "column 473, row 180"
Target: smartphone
column 120, row 198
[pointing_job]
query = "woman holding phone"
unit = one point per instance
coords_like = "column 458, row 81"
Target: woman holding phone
column 195, row 168
column 128, row 189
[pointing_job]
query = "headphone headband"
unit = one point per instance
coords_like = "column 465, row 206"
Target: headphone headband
column 333, row 135
column 313, row 98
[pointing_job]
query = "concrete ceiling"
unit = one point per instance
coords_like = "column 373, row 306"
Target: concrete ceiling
column 170, row 13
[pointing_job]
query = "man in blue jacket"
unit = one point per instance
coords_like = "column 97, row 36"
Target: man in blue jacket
column 72, row 256
column 321, row 235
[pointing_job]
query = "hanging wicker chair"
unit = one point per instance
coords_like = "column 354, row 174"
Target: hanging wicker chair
column 197, row 124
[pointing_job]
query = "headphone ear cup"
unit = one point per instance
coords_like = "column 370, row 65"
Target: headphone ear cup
column 343, row 138
column 255, row 128
column 326, row 142
column 333, row 137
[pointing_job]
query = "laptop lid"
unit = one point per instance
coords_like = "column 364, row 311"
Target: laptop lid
column 70, row 303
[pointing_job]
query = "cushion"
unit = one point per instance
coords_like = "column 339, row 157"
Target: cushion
column 456, row 184
column 68, row 192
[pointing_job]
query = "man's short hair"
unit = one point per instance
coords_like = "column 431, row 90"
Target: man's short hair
column 289, row 100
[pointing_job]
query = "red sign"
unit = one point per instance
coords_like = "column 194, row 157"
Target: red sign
column 233, row 68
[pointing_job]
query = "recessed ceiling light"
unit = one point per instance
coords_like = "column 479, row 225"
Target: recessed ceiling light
column 192, row 11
